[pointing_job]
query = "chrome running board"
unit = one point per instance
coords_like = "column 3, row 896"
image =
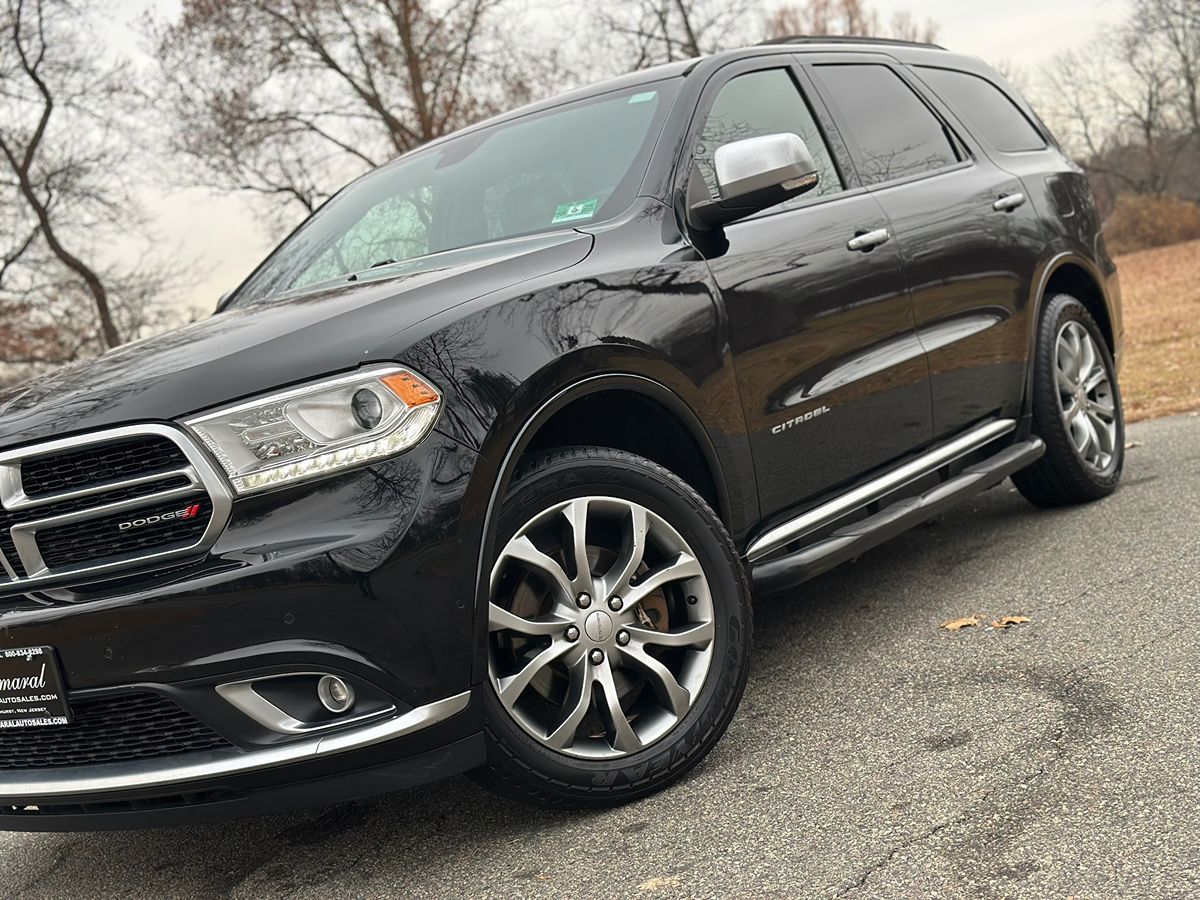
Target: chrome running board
column 857, row 537
column 28, row 788
column 830, row 512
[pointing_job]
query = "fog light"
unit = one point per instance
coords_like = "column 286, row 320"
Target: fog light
column 335, row 695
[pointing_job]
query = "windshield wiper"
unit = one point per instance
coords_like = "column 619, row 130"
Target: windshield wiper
column 383, row 262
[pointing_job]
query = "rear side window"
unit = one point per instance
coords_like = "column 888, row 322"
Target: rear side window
column 986, row 108
column 895, row 133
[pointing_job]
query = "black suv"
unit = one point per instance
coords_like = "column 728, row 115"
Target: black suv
column 476, row 471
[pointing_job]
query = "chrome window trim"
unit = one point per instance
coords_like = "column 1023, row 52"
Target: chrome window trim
column 243, row 696
column 202, row 473
column 794, row 529
column 31, row 787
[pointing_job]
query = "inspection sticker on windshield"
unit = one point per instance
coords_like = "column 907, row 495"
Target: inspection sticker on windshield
column 643, row 97
column 571, row 212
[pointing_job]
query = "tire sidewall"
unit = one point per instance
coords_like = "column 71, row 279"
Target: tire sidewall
column 596, row 472
column 1048, row 421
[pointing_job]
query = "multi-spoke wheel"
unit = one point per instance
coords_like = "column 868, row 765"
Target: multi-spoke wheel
column 618, row 627
column 1076, row 410
column 1085, row 395
column 601, row 626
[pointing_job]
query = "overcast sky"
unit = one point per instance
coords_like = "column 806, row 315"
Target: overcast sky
column 223, row 235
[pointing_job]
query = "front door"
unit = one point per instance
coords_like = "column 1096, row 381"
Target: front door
column 833, row 379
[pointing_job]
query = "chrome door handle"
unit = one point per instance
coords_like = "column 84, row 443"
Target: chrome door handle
column 1009, row 203
column 869, row 240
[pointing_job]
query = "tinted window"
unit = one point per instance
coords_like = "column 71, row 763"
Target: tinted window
column 896, row 133
column 761, row 103
column 987, row 109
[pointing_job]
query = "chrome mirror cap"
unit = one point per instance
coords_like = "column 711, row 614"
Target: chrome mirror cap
column 755, row 174
column 760, row 163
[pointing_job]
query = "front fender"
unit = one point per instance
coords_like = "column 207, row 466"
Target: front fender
column 654, row 326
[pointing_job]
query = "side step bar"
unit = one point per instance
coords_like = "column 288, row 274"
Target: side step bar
column 827, row 513
column 848, row 542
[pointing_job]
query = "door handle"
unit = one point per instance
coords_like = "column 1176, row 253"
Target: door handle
column 1009, row 203
column 868, row 241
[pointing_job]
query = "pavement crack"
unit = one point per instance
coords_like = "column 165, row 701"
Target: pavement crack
column 1056, row 739
column 962, row 818
column 884, row 862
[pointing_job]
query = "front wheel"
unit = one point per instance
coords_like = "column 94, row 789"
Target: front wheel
column 1076, row 410
column 618, row 631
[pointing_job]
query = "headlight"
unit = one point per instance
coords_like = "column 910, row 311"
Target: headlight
column 319, row 428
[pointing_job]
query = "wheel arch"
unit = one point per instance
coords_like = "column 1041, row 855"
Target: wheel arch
column 1072, row 276
column 574, row 405
column 1066, row 273
column 578, row 398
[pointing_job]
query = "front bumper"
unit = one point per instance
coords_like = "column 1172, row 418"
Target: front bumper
column 369, row 576
column 443, row 739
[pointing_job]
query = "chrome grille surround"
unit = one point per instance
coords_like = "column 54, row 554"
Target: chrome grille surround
column 202, row 478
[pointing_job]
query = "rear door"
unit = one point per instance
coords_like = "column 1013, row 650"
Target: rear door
column 966, row 250
column 833, row 379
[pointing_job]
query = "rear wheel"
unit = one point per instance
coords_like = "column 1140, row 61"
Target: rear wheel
column 1076, row 410
column 618, row 635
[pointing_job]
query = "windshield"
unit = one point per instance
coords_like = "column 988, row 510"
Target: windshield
column 563, row 167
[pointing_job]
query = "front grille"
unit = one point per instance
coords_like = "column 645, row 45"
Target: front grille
column 103, row 538
column 63, row 504
column 64, row 507
column 9, row 550
column 109, row 729
column 92, row 466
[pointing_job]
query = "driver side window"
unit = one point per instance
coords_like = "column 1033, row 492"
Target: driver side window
column 759, row 103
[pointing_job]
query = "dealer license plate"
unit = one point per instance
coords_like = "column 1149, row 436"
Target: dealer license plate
column 31, row 689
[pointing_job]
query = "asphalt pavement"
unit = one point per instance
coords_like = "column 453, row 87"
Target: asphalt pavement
column 875, row 754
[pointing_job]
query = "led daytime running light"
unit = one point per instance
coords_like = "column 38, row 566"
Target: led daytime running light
column 333, row 460
column 318, row 429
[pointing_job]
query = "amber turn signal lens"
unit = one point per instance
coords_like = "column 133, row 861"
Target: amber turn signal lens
column 409, row 388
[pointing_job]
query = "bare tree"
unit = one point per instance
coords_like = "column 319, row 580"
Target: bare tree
column 43, row 71
column 1126, row 106
column 1120, row 107
column 1176, row 25
column 846, row 17
column 287, row 99
column 644, row 33
column 66, row 113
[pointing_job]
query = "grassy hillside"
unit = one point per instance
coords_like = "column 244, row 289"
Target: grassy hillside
column 1160, row 372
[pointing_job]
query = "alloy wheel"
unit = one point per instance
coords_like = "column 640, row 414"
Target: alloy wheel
column 1085, row 396
column 600, row 626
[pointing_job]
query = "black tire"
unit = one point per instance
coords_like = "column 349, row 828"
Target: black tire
column 525, row 768
column 1062, row 476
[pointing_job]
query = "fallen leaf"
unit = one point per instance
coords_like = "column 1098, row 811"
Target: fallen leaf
column 956, row 624
column 1005, row 621
column 1129, row 445
column 662, row 881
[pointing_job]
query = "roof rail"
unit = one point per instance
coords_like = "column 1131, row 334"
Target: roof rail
column 844, row 39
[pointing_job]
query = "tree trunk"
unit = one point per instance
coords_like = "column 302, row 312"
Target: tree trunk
column 693, row 47
column 108, row 328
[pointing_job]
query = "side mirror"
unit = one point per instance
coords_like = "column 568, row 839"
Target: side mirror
column 756, row 174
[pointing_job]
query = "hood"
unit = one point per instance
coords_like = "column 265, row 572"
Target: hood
column 244, row 351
